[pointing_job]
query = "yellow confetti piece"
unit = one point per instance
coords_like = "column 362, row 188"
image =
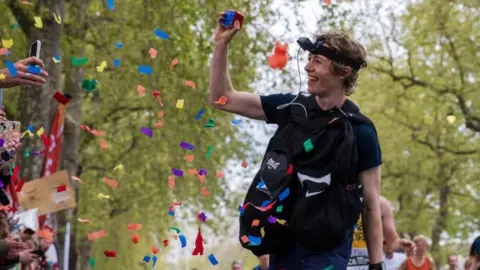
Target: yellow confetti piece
column 27, row 132
column 58, row 18
column 40, row 132
column 84, row 220
column 102, row 66
column 55, row 60
column 262, row 232
column 118, row 167
column 281, row 221
column 7, row 43
column 2, row 76
column 38, row 22
column 101, row 196
column 180, row 103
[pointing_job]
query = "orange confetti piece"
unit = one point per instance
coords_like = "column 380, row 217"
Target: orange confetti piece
column 112, row 183
column 190, row 158
column 103, row 144
column 201, row 178
column 96, row 235
column 155, row 250
column 174, row 63
column 134, row 226
column 245, row 239
column 74, row 178
column 327, row 2
column 160, row 114
column 255, row 222
column 220, row 174
column 47, row 234
column 141, row 90
column 135, row 238
column 222, row 100
column 205, row 192
column 97, row 132
column 192, row 171
column 171, row 181
column 84, row 220
column 159, row 124
column 190, row 83
column 244, row 164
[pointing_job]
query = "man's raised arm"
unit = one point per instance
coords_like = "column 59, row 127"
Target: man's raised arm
column 242, row 103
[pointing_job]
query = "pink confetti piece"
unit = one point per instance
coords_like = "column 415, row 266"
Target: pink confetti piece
column 153, row 53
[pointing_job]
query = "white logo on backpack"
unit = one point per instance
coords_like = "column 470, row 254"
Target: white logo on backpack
column 326, row 179
column 272, row 164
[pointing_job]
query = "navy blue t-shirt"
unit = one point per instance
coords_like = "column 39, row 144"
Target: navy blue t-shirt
column 369, row 153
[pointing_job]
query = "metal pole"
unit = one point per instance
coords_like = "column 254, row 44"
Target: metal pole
column 66, row 249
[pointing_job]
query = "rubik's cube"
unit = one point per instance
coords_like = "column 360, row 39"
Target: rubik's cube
column 230, row 17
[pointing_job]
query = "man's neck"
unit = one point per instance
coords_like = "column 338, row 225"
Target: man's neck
column 335, row 99
column 419, row 257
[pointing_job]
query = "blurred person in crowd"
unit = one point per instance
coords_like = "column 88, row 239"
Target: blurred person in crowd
column 263, row 262
column 453, row 262
column 237, row 265
column 394, row 258
column 23, row 76
column 419, row 260
column 473, row 261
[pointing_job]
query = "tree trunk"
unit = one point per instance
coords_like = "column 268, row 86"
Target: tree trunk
column 70, row 160
column 440, row 222
column 35, row 104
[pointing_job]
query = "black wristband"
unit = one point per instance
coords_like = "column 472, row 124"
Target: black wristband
column 375, row 266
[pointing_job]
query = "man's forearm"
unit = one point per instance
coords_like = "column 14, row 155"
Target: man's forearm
column 373, row 233
column 220, row 83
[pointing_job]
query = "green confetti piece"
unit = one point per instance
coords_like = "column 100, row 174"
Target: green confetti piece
column 91, row 262
column 279, row 209
column 329, row 267
column 211, row 123
column 27, row 152
column 78, row 61
column 308, row 146
column 209, row 152
column 12, row 165
column 177, row 230
column 89, row 85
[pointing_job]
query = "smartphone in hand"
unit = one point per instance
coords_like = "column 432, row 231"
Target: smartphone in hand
column 35, row 48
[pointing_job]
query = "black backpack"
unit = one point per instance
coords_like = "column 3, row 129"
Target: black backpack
column 319, row 154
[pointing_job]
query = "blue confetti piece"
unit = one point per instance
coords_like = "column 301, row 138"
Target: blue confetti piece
column 110, row 4
column 171, row 213
column 186, row 146
column 284, row 194
column 145, row 70
column 118, row 45
column 254, row 241
column 1, row 142
column 31, row 128
column 212, row 259
column 57, row 57
column 261, row 185
column 236, row 121
column 11, row 68
column 116, row 62
column 154, row 260
column 159, row 33
column 183, row 240
column 34, row 69
column 265, row 203
column 199, row 114
column 146, row 259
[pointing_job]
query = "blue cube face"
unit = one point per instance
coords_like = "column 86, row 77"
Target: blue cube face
column 228, row 18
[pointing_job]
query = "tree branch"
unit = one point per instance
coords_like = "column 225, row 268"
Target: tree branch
column 22, row 18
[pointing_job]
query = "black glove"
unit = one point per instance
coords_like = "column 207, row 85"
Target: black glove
column 376, row 266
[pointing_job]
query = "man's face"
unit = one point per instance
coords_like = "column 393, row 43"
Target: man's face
column 264, row 260
column 452, row 261
column 237, row 266
column 321, row 79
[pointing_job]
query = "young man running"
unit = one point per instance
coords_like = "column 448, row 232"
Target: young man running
column 391, row 240
column 330, row 82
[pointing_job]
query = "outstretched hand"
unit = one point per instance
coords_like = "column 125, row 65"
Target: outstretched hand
column 224, row 35
column 23, row 76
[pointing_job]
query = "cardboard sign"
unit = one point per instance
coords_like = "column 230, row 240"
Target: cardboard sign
column 49, row 194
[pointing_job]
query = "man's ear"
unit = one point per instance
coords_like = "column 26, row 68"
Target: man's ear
column 347, row 71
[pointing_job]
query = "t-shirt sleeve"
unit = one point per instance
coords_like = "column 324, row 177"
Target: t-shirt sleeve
column 369, row 152
column 270, row 104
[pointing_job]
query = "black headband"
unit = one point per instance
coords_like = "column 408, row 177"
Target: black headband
column 318, row 48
